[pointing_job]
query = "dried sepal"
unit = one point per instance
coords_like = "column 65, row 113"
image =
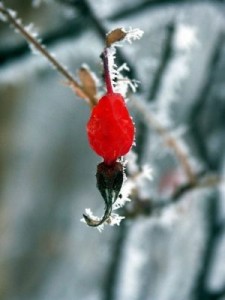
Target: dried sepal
column 79, row 91
column 114, row 36
column 88, row 83
column 87, row 88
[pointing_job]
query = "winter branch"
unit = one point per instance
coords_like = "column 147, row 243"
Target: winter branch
column 169, row 140
column 10, row 17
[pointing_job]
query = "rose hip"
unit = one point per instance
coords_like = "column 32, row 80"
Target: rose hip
column 110, row 128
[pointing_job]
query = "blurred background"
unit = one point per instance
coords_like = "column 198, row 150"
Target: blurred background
column 47, row 170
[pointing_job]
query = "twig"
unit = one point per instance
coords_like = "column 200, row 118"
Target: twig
column 169, row 140
column 148, row 207
column 32, row 40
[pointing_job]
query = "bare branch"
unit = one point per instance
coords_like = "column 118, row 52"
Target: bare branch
column 10, row 18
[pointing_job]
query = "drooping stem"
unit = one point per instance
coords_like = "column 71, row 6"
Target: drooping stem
column 107, row 76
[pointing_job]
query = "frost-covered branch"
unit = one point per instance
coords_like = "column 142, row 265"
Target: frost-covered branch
column 7, row 15
column 151, row 206
column 169, row 140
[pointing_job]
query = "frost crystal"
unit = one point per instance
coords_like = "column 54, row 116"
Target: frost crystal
column 115, row 219
column 122, row 82
column 133, row 34
column 30, row 29
column 12, row 13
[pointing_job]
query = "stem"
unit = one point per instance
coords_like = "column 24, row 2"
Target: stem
column 107, row 76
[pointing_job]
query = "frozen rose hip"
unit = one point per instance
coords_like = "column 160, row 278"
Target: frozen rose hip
column 110, row 128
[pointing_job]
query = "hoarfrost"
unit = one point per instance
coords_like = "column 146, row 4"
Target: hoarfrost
column 13, row 13
column 133, row 34
column 31, row 30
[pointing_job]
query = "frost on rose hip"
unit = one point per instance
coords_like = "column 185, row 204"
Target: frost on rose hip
column 110, row 128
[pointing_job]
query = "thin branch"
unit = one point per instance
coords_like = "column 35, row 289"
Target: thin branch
column 148, row 207
column 14, row 52
column 168, row 139
column 33, row 41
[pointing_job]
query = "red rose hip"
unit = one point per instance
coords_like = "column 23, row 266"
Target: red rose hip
column 110, row 128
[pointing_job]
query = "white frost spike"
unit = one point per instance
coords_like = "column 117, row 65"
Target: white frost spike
column 115, row 219
column 124, row 195
column 124, row 66
column 33, row 49
column 133, row 34
column 30, row 29
column 12, row 13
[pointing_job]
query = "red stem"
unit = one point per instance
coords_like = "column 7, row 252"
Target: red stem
column 107, row 76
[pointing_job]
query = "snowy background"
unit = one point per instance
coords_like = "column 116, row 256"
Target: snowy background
column 47, row 170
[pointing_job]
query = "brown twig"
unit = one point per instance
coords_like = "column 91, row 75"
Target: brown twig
column 33, row 41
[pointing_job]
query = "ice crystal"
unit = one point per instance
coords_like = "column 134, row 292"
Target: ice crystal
column 115, row 219
column 31, row 30
column 121, row 83
column 13, row 13
column 124, row 195
column 133, row 34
